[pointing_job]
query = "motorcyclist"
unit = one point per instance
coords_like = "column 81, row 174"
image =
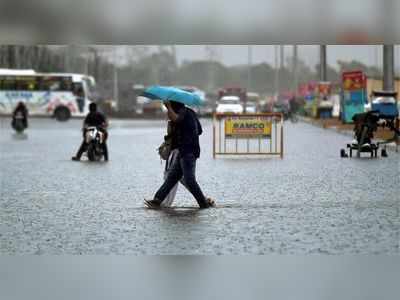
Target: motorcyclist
column 94, row 119
column 22, row 110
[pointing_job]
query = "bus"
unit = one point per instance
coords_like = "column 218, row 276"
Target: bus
column 59, row 95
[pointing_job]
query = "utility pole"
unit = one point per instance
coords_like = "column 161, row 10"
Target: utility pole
column 173, row 51
column 377, row 60
column 249, row 78
column 295, row 70
column 96, row 64
column 87, row 60
column 277, row 87
column 12, row 57
column 66, row 58
column 71, row 54
column 70, row 58
column 281, row 65
column 323, row 64
column 397, row 62
column 211, row 56
column 115, row 89
column 249, row 65
column 388, row 67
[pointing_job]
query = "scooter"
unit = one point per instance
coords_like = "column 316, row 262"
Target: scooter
column 18, row 123
column 94, row 140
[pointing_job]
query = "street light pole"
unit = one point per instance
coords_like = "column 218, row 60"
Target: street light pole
column 323, row 62
column 295, row 72
column 249, row 65
column 211, row 58
column 388, row 67
column 249, row 79
column 116, row 98
column 377, row 61
column 12, row 57
column 277, row 87
column 87, row 60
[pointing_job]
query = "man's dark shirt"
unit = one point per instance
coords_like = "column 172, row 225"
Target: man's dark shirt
column 172, row 136
column 96, row 119
column 21, row 109
column 188, row 131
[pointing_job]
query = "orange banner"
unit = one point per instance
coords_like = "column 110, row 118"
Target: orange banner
column 354, row 80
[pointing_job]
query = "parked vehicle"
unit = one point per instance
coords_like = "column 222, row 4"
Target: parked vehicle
column 280, row 107
column 251, row 107
column 385, row 104
column 230, row 104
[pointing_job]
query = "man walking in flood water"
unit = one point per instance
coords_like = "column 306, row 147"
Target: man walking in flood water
column 188, row 130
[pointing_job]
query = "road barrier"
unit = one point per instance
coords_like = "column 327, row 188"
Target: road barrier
column 248, row 134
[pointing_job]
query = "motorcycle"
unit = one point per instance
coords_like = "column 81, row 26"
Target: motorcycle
column 94, row 140
column 18, row 123
column 287, row 113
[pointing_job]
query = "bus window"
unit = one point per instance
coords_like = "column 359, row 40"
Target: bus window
column 55, row 84
column 66, row 84
column 27, row 84
column 46, row 84
column 8, row 84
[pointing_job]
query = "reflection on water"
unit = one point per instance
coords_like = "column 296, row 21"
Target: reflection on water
column 20, row 136
column 182, row 212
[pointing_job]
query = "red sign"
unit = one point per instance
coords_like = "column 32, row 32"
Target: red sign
column 307, row 89
column 354, row 80
column 324, row 88
column 232, row 91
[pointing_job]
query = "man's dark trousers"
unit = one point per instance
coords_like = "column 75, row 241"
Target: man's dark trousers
column 184, row 166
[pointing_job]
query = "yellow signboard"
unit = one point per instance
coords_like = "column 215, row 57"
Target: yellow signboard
column 247, row 127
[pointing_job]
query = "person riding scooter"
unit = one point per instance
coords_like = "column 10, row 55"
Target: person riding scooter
column 20, row 111
column 94, row 119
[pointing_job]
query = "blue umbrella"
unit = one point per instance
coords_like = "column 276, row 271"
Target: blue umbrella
column 164, row 93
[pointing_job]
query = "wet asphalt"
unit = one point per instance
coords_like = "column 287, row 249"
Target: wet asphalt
column 310, row 202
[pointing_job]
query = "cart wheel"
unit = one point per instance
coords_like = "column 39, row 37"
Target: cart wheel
column 343, row 153
column 384, row 153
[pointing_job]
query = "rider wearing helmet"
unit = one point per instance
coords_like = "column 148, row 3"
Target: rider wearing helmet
column 94, row 119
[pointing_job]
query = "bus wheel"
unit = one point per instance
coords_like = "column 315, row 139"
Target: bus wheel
column 62, row 114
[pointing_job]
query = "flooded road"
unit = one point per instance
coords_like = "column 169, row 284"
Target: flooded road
column 309, row 202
